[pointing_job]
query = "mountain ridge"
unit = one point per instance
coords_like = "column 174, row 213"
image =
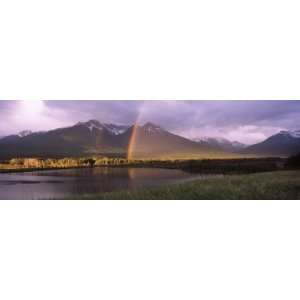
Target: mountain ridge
column 283, row 143
column 137, row 141
column 221, row 143
column 95, row 138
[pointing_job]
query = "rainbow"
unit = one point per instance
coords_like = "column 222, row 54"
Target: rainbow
column 132, row 141
column 133, row 138
column 142, row 113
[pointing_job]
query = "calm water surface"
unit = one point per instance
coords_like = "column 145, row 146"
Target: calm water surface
column 58, row 184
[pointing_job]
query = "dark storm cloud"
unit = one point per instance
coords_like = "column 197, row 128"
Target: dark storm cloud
column 248, row 121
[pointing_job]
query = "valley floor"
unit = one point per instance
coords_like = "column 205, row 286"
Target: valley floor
column 270, row 185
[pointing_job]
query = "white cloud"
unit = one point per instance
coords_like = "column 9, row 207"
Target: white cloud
column 33, row 115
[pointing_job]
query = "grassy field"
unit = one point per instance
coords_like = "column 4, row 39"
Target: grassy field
column 269, row 185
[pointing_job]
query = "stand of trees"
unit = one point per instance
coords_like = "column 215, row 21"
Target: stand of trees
column 49, row 163
column 293, row 161
column 41, row 163
column 216, row 166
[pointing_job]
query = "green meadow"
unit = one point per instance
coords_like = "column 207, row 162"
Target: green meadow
column 269, row 185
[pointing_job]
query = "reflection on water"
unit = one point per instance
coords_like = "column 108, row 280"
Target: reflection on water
column 56, row 184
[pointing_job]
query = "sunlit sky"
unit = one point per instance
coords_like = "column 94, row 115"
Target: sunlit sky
column 245, row 121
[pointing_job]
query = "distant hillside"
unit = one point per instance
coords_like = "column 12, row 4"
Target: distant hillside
column 221, row 144
column 83, row 138
column 284, row 143
column 152, row 141
column 95, row 138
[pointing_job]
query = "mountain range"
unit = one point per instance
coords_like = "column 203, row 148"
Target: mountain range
column 95, row 138
column 221, row 143
column 137, row 141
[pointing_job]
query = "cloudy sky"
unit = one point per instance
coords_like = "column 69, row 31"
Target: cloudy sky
column 245, row 121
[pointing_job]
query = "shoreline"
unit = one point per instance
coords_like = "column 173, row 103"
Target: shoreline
column 28, row 170
column 225, row 167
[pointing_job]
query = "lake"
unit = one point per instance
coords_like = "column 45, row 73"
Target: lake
column 68, row 183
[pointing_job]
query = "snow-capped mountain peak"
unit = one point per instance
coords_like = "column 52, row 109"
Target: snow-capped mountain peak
column 116, row 129
column 90, row 124
column 94, row 124
column 151, row 128
column 208, row 139
column 283, row 143
column 220, row 142
column 24, row 133
column 293, row 133
column 111, row 128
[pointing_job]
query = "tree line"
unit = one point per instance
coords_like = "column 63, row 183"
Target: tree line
column 66, row 162
column 249, row 165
